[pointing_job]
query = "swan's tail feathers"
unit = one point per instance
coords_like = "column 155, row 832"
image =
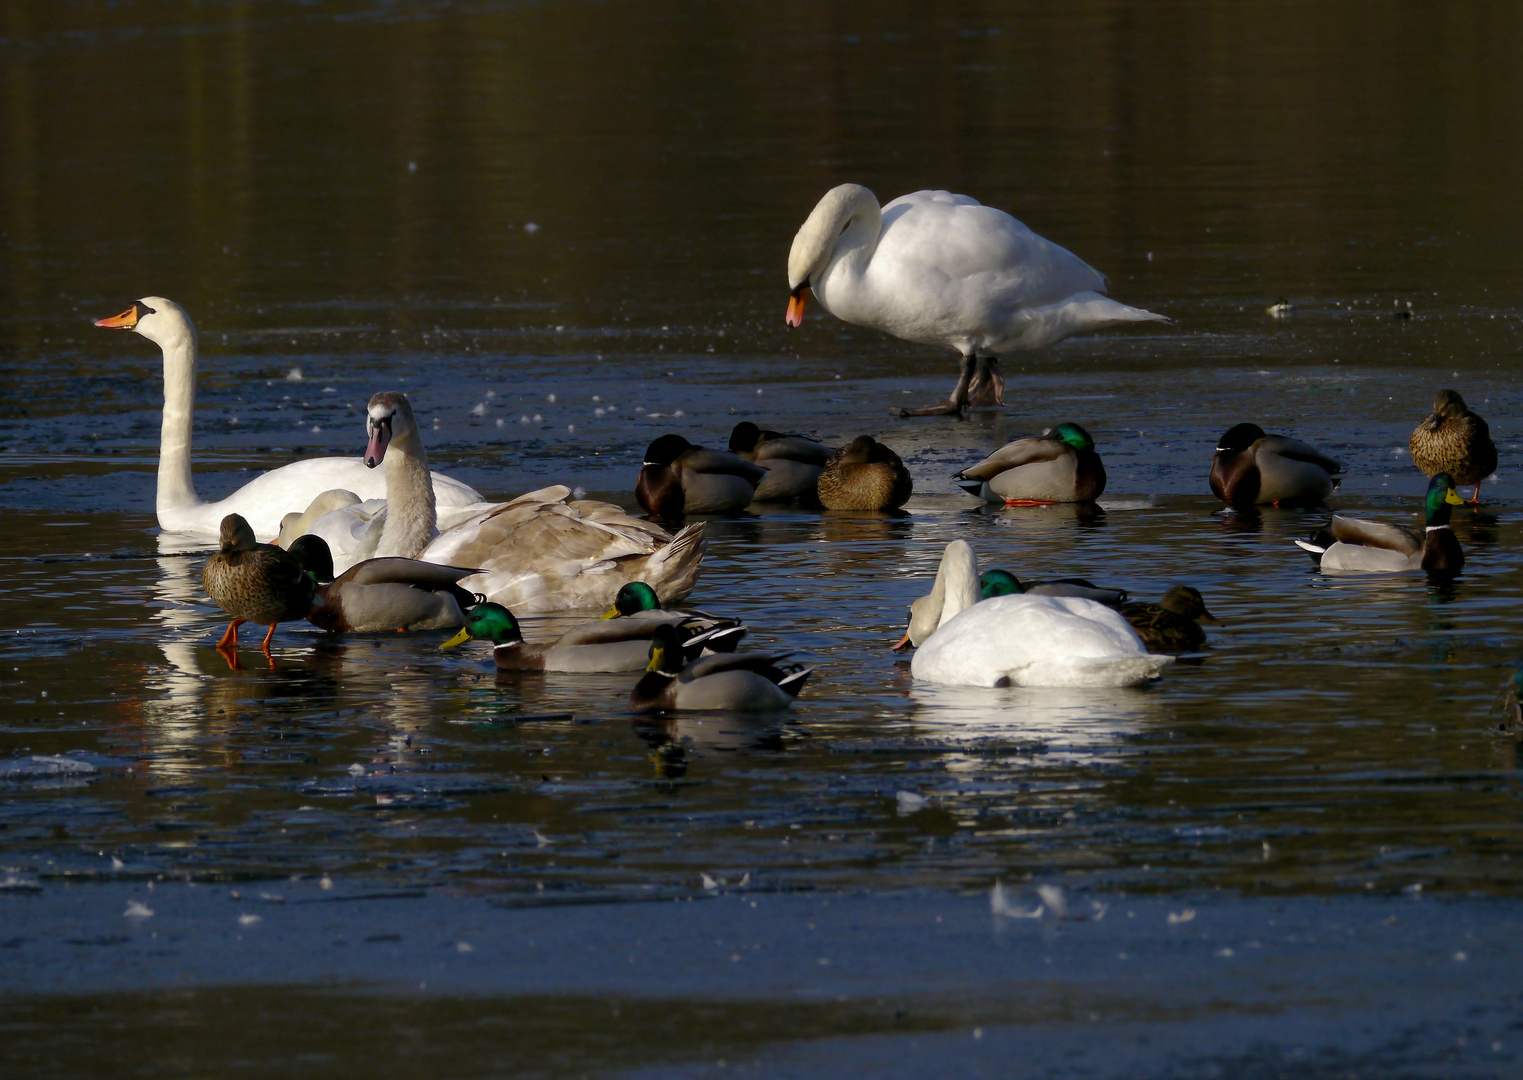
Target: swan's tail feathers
column 1106, row 311
column 673, row 569
column 1120, row 671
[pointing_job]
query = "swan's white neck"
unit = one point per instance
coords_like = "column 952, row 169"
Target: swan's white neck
column 411, row 516
column 955, row 591
column 177, row 492
column 852, row 253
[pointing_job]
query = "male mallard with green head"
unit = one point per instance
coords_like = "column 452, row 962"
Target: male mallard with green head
column 678, row 478
column 1348, row 545
column 1456, row 441
column 793, row 463
column 1003, row 583
column 385, row 595
column 1058, row 466
column 864, row 475
column 1251, row 468
column 254, row 582
column 742, row 682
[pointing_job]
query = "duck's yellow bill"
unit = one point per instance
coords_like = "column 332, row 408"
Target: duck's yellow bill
column 459, row 639
column 611, row 613
column 1452, row 497
column 125, row 321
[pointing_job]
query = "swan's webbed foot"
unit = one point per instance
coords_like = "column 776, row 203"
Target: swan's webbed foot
column 956, row 401
column 987, row 390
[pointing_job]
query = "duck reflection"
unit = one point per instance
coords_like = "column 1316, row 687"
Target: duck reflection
column 673, row 736
column 1047, row 519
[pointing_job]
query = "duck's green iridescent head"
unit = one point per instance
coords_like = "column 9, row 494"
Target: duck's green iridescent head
column 487, row 622
column 1073, row 435
column 314, row 556
column 998, row 583
column 1441, row 496
column 634, row 596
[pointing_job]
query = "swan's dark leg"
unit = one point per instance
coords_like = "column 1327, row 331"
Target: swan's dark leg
column 987, row 391
column 954, row 404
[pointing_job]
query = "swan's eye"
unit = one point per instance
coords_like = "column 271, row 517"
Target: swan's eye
column 844, row 228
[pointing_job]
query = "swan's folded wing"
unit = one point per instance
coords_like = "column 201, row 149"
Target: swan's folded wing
column 793, row 448
column 1297, row 450
column 1375, row 534
column 396, row 570
column 1013, row 455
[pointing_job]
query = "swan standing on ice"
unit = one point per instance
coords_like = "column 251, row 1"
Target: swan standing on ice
column 264, row 499
column 943, row 269
column 1021, row 640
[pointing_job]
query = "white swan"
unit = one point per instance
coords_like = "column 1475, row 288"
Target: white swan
column 1020, row 640
column 262, row 500
column 543, row 551
column 943, row 269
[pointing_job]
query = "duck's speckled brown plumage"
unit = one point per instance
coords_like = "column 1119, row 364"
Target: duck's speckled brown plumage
column 864, row 475
column 255, row 582
column 1173, row 624
column 1454, row 440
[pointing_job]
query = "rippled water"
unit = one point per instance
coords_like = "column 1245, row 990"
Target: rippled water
column 486, row 205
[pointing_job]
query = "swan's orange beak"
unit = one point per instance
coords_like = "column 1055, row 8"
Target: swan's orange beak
column 125, row 321
column 795, row 316
column 904, row 644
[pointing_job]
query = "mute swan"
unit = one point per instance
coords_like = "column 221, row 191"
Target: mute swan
column 543, row 551
column 1251, row 468
column 254, row 582
column 679, row 478
column 1371, row 547
column 261, row 501
column 793, row 463
column 1059, row 466
column 864, row 475
column 742, row 682
column 1456, row 441
column 943, row 269
column 1020, row 640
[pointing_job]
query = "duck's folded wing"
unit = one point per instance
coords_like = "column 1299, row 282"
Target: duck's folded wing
column 611, row 631
column 792, row 448
column 774, row 666
column 1375, row 534
column 702, row 460
column 1013, row 455
column 1297, row 450
column 396, row 570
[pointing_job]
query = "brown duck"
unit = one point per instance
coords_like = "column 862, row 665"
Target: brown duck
column 864, row 475
column 1456, row 441
column 254, row 582
column 1173, row 624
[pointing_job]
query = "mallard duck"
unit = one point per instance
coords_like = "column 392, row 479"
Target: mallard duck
column 864, row 475
column 543, row 551
column 1058, row 466
column 1019, row 640
column 263, row 499
column 606, row 644
column 679, row 478
column 941, row 269
column 793, row 463
column 1348, row 545
column 1251, row 468
column 254, row 582
column 1173, row 624
column 743, row 682
column 1456, row 441
column 380, row 596
column 1004, row 583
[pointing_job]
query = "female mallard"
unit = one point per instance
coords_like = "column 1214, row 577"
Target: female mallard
column 1019, row 640
column 606, row 644
column 254, row 582
column 1348, row 545
column 380, row 596
column 1058, row 466
column 864, row 475
column 1456, row 441
column 743, row 682
column 793, row 463
column 1173, row 624
column 1251, row 468
column 679, row 478
column 1004, row 583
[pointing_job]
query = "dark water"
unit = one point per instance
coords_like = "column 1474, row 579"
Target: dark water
column 488, row 204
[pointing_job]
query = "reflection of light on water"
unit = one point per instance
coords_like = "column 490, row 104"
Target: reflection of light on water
column 175, row 707
column 1059, row 717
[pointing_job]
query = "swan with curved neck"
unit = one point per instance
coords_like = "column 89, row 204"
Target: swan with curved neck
column 943, row 269
column 263, row 500
column 1019, row 640
column 543, row 551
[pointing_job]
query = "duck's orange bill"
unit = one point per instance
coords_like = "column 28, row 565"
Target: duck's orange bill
column 795, row 316
column 125, row 321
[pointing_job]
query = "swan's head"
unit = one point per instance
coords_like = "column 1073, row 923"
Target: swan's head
column 161, row 321
column 387, row 417
column 815, row 243
column 1239, row 437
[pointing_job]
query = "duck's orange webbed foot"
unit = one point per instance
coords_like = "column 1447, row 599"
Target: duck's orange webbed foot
column 1029, row 502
